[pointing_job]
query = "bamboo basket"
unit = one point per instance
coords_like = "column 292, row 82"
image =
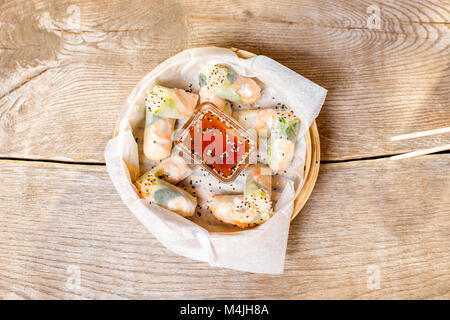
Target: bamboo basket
column 312, row 161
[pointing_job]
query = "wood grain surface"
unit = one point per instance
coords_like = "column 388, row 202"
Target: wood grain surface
column 65, row 79
column 71, row 217
column 66, row 68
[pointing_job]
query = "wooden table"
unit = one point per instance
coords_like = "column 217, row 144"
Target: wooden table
column 373, row 227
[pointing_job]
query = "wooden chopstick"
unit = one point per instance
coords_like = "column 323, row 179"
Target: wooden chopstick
column 421, row 152
column 420, row 134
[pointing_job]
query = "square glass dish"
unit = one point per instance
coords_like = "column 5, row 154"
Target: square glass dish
column 217, row 142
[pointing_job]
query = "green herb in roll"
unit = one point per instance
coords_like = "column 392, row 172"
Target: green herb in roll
column 166, row 195
column 171, row 103
column 281, row 148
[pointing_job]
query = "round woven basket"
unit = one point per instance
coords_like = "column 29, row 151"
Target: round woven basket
column 312, row 161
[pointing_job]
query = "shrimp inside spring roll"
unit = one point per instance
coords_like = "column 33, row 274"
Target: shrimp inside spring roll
column 158, row 134
column 281, row 148
column 166, row 195
column 252, row 208
column 208, row 96
column 227, row 84
column 173, row 169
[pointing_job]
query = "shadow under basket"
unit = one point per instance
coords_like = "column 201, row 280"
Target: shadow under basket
column 312, row 161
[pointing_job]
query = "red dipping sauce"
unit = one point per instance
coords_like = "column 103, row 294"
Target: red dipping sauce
column 217, row 141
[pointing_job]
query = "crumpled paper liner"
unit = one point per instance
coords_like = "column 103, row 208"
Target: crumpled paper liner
column 261, row 249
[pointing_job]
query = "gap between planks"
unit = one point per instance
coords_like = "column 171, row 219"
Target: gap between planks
column 90, row 163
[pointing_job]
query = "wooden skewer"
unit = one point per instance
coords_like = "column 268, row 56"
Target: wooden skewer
column 420, row 134
column 421, row 152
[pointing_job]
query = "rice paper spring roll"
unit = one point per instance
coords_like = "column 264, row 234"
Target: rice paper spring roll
column 173, row 169
column 257, row 193
column 250, row 209
column 171, row 103
column 165, row 194
column 208, row 96
column 281, row 148
column 261, row 120
column 229, row 208
column 158, row 135
column 227, row 84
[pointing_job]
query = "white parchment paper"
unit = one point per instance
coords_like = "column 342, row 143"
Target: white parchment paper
column 202, row 237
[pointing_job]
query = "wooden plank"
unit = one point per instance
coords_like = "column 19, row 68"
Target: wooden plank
column 63, row 85
column 363, row 216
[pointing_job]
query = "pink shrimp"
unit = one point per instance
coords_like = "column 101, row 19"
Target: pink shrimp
column 188, row 101
column 182, row 206
column 284, row 155
column 229, row 209
column 208, row 96
column 262, row 175
column 247, row 89
column 265, row 118
column 173, row 169
column 158, row 139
